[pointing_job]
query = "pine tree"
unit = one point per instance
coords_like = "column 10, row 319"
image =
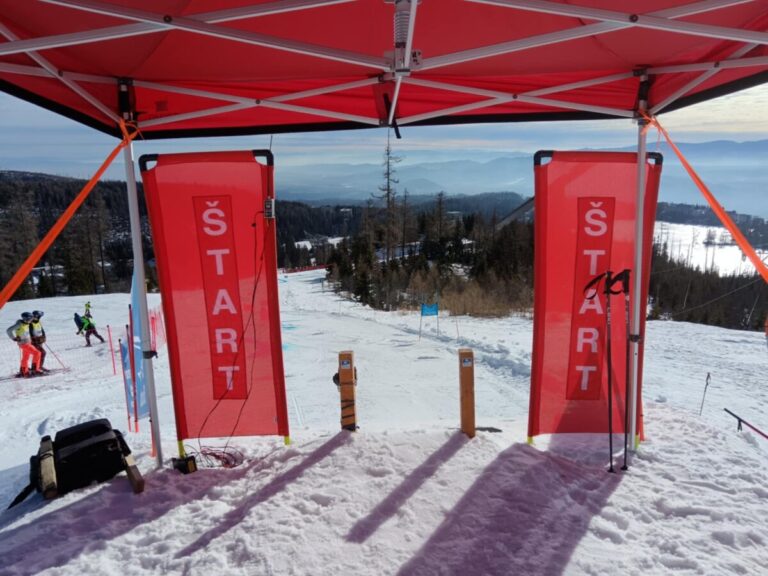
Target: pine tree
column 18, row 237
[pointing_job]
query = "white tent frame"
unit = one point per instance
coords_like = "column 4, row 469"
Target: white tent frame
column 404, row 67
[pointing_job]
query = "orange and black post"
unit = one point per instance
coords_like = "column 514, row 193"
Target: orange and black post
column 467, row 384
column 347, row 383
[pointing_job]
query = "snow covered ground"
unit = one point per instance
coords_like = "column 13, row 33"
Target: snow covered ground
column 407, row 494
column 710, row 248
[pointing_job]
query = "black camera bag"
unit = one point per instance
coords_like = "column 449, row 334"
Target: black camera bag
column 86, row 453
column 82, row 454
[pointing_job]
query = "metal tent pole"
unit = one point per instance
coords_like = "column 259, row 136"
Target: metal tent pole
column 138, row 269
column 637, row 304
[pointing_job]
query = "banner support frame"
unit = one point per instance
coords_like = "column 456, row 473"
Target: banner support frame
column 138, row 269
column 637, row 306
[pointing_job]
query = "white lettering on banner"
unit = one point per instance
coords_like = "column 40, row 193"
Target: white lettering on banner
column 229, row 371
column 221, row 290
column 593, row 254
column 594, row 233
column 591, row 304
column 591, row 218
column 208, row 218
column 587, row 336
column 223, row 302
column 217, row 254
column 226, row 337
column 585, row 371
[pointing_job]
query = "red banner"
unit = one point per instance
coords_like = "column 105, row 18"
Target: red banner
column 586, row 212
column 216, row 260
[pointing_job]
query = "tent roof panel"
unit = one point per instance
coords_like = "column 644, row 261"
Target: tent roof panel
column 251, row 63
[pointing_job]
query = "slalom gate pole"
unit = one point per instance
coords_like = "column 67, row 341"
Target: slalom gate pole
column 111, row 350
column 706, row 385
column 56, row 356
column 132, row 361
column 610, row 367
column 625, row 289
column 153, row 331
column 421, row 318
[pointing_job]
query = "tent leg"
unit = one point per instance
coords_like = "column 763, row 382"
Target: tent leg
column 138, row 267
column 637, row 304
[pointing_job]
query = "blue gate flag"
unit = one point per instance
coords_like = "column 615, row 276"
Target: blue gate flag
column 429, row 309
column 141, row 387
column 125, row 362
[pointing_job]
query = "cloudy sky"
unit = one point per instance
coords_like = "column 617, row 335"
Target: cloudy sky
column 34, row 139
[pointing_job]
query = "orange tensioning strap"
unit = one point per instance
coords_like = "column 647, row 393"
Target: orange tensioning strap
column 24, row 270
column 743, row 243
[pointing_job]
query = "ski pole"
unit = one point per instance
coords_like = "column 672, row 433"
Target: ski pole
column 625, row 289
column 55, row 356
column 706, row 385
column 610, row 367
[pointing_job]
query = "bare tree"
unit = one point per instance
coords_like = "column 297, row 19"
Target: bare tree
column 403, row 238
column 388, row 194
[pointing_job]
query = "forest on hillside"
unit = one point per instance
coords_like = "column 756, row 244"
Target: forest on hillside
column 396, row 251
column 93, row 252
column 472, row 265
column 469, row 266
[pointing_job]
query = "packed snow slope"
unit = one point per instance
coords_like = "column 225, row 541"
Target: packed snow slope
column 407, row 494
column 708, row 248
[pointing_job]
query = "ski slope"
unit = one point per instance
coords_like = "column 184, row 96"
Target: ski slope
column 407, row 494
column 708, row 248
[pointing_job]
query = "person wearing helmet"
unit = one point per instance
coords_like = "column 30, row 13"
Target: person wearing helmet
column 89, row 327
column 19, row 333
column 37, row 333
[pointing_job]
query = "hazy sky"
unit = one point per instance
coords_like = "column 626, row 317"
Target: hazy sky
column 34, row 139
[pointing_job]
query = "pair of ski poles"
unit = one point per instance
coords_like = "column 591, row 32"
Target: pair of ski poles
column 611, row 281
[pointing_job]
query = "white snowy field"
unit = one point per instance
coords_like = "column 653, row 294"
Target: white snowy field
column 710, row 248
column 407, row 494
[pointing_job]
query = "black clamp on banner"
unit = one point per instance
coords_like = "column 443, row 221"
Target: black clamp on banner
column 185, row 465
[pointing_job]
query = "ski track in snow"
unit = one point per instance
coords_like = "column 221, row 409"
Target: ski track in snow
column 407, row 494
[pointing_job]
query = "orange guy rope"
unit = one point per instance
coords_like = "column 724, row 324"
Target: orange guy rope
column 719, row 211
column 53, row 233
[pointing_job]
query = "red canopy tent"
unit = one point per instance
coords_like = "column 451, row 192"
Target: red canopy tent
column 227, row 67
column 213, row 67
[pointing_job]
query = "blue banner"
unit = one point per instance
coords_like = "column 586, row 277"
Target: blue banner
column 141, row 388
column 429, row 309
column 125, row 363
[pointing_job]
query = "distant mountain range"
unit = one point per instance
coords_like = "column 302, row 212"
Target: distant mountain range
column 737, row 173
column 356, row 182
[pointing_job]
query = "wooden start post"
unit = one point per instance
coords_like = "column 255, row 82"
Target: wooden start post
column 347, row 383
column 48, row 485
column 467, row 383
